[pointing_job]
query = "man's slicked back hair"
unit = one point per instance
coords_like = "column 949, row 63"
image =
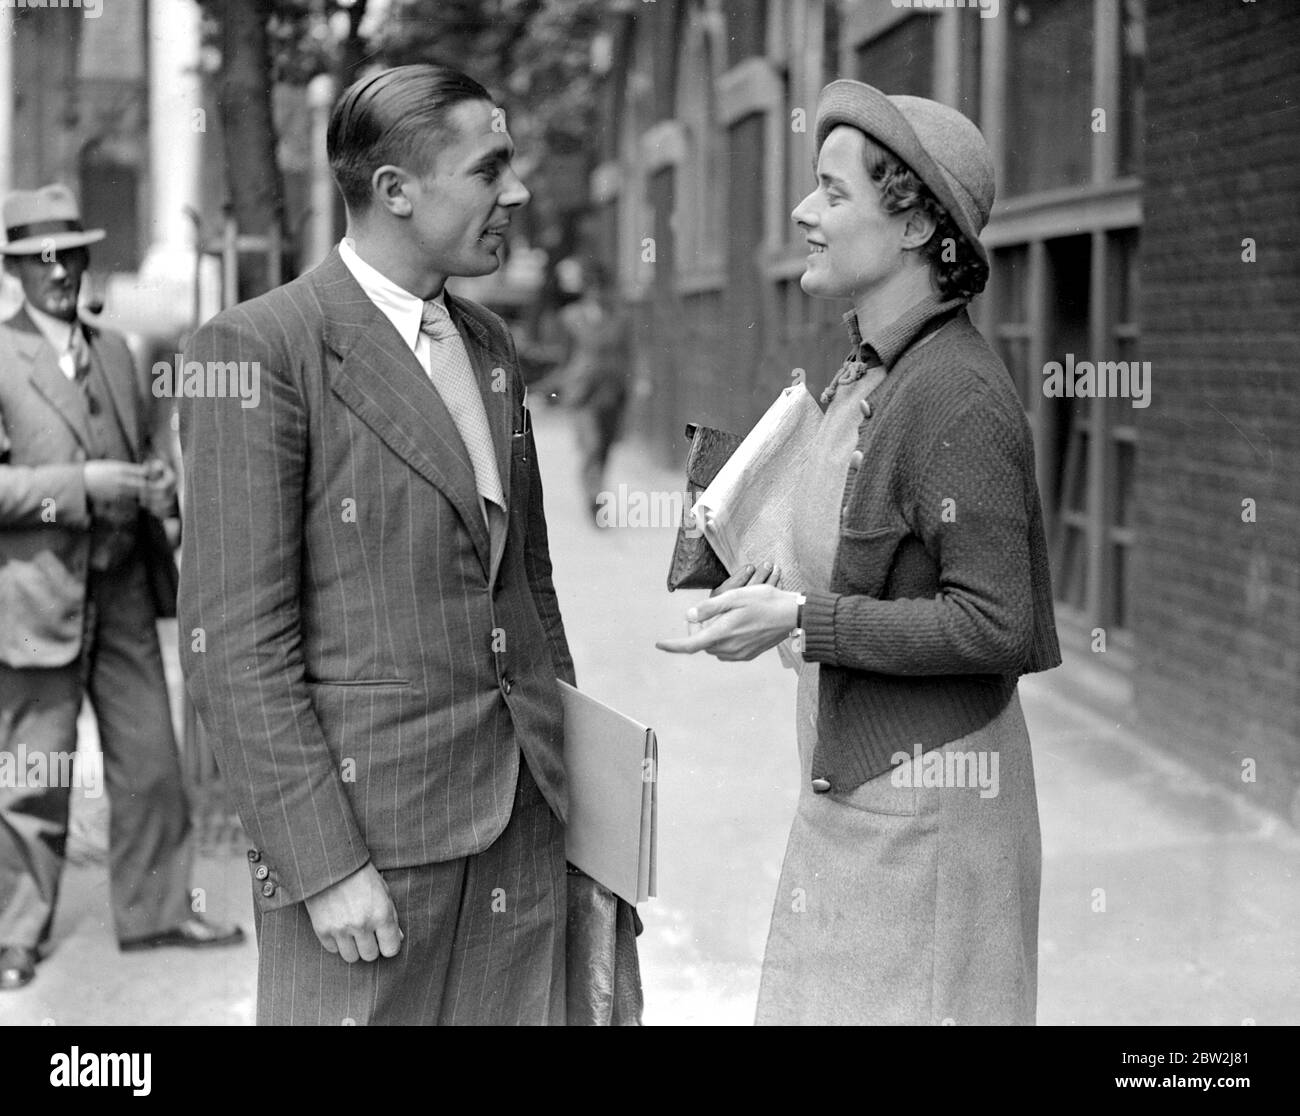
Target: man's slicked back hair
column 398, row 117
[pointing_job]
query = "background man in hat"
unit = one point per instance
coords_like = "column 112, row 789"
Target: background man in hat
column 926, row 594
column 85, row 570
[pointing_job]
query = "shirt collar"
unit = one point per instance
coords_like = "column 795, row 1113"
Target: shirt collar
column 886, row 345
column 397, row 304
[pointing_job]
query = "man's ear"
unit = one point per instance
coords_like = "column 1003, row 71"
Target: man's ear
column 919, row 228
column 388, row 187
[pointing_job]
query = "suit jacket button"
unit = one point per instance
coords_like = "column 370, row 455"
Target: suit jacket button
column 855, row 459
column 262, row 872
column 866, row 408
column 821, row 786
column 268, row 889
column 506, row 685
column 254, row 856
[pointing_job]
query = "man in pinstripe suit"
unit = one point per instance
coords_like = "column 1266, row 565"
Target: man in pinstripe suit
column 372, row 630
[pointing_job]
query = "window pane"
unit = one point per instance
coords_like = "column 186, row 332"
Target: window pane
column 901, row 60
column 1049, row 95
column 969, row 93
column 746, row 30
column 1132, row 56
column 1008, row 290
column 1125, row 460
column 830, row 42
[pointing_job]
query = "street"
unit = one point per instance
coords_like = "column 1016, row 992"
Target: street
column 1165, row 899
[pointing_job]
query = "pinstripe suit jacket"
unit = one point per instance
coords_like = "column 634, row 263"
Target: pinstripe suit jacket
column 368, row 673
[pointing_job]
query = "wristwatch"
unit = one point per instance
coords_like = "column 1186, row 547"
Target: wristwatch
column 796, row 634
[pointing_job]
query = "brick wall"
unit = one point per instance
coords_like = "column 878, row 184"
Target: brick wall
column 1216, row 601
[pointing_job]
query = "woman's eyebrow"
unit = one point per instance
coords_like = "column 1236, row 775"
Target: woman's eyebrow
column 824, row 176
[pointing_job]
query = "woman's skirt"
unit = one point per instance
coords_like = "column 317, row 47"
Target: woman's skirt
column 912, row 899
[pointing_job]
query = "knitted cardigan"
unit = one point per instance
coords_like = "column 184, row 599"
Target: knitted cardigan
column 940, row 594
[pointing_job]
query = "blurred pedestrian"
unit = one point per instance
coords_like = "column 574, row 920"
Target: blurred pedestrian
column 597, row 378
column 909, row 892
column 85, row 571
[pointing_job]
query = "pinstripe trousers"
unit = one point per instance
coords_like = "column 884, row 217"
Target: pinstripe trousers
column 484, row 940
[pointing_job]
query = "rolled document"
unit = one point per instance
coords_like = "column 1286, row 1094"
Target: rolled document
column 746, row 513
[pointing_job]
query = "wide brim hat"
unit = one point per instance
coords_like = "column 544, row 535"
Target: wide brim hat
column 44, row 220
column 944, row 148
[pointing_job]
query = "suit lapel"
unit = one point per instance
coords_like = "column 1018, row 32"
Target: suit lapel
column 47, row 378
column 121, row 389
column 378, row 378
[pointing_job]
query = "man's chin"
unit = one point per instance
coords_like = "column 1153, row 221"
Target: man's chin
column 485, row 264
column 64, row 310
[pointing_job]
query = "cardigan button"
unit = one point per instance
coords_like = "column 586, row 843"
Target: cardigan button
column 821, row 786
column 855, row 459
column 866, row 408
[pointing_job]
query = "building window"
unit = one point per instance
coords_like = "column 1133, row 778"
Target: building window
column 1132, row 55
column 831, row 31
column 900, row 60
column 1049, row 96
column 746, row 29
column 701, row 196
column 1008, row 293
column 1063, row 286
column 968, row 76
column 110, row 193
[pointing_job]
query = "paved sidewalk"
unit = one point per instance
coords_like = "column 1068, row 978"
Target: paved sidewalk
column 1202, row 894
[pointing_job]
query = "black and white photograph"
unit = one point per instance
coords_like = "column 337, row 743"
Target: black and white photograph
column 659, row 513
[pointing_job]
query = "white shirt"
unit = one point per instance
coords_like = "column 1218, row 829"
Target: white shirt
column 58, row 333
column 399, row 306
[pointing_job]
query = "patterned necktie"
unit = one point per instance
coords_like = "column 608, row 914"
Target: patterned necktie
column 453, row 376
column 79, row 353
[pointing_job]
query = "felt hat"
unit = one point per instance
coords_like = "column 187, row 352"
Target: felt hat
column 43, row 220
column 944, row 149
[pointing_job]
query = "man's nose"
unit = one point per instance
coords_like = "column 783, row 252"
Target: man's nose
column 58, row 271
column 515, row 192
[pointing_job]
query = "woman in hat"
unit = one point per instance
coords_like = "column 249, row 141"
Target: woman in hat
column 909, row 891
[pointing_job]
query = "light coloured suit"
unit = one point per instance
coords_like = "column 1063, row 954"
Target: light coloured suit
column 378, row 674
column 67, row 629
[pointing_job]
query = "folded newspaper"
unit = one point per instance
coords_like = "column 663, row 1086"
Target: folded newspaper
column 746, row 514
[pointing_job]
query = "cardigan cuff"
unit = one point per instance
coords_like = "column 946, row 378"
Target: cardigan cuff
column 819, row 626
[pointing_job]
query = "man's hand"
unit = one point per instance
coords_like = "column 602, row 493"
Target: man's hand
column 158, row 497
column 108, row 481
column 355, row 917
column 740, row 624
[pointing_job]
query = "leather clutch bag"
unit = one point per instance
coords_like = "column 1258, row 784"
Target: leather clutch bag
column 694, row 564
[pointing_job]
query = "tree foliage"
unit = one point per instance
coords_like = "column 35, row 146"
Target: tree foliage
column 533, row 55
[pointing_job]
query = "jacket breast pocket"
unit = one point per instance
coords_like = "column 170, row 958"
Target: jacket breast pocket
column 521, row 450
column 864, row 558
